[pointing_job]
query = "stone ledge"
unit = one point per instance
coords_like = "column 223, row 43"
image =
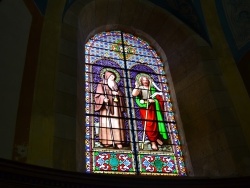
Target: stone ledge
column 15, row 174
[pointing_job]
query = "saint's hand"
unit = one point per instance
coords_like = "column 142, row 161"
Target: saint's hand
column 151, row 100
column 137, row 85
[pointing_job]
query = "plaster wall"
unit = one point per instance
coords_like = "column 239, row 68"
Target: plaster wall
column 212, row 121
column 207, row 109
column 15, row 21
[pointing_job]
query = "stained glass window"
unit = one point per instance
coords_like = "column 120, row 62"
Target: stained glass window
column 130, row 123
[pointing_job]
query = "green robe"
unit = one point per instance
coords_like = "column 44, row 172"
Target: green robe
column 159, row 113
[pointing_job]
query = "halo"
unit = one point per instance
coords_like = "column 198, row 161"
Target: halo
column 117, row 75
column 138, row 76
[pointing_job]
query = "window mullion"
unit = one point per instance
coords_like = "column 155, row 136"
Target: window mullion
column 130, row 106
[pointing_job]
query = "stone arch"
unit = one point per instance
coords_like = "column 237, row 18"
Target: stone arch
column 188, row 60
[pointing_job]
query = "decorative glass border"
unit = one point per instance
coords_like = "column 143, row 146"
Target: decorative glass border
column 106, row 46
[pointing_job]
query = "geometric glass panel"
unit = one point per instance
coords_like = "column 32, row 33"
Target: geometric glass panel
column 130, row 123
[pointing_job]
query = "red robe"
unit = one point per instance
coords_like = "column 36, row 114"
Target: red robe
column 149, row 115
column 152, row 116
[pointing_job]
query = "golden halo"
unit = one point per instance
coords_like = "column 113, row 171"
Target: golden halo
column 138, row 76
column 117, row 75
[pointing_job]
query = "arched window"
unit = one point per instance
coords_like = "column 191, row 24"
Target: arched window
column 130, row 123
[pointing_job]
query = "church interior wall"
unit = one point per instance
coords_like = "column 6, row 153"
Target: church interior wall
column 244, row 69
column 16, row 22
column 236, row 129
column 205, row 84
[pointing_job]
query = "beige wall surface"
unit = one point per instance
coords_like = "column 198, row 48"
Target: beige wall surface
column 205, row 84
column 15, row 22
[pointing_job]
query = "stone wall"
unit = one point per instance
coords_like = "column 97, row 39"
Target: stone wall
column 212, row 120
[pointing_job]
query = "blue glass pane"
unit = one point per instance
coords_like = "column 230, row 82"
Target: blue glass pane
column 128, row 134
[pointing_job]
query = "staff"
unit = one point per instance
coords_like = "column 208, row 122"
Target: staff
column 108, row 110
column 145, row 122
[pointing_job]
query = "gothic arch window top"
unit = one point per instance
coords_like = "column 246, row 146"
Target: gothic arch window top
column 130, row 122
